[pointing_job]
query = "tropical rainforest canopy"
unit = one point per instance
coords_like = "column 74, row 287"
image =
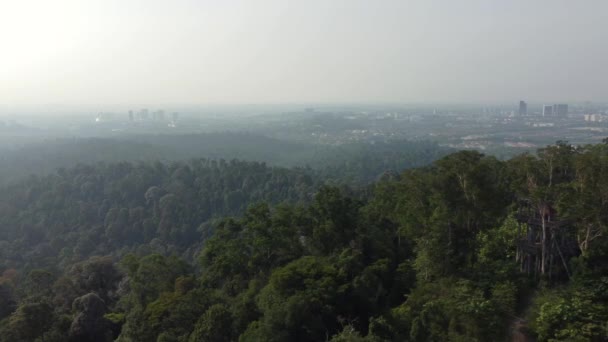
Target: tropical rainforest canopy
column 467, row 248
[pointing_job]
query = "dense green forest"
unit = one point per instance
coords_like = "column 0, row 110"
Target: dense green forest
column 469, row 248
column 353, row 163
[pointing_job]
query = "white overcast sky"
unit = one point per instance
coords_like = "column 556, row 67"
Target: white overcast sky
column 78, row 52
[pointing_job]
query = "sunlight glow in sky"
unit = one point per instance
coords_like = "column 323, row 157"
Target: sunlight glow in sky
column 279, row 51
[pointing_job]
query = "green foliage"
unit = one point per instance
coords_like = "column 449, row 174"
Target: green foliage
column 215, row 325
column 115, row 317
column 428, row 255
column 28, row 322
column 139, row 208
column 300, row 298
column 348, row 334
column 575, row 313
column 499, row 243
column 37, row 285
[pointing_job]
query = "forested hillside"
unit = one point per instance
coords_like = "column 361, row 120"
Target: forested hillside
column 470, row 248
column 141, row 207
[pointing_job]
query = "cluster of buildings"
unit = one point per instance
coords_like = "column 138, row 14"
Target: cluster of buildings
column 562, row 115
column 145, row 115
column 555, row 110
column 596, row 117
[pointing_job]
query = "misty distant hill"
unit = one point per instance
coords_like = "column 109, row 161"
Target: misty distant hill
column 352, row 163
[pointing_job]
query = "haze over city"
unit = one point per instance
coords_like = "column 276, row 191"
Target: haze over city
column 299, row 171
column 179, row 52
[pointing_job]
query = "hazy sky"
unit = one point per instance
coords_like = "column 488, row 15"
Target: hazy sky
column 280, row 51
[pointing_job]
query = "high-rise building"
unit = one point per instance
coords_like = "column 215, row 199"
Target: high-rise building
column 560, row 110
column 158, row 115
column 547, row 110
column 523, row 108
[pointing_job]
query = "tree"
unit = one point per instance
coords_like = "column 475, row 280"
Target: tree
column 29, row 322
column 97, row 275
column 300, row 301
column 89, row 324
column 214, row 326
column 38, row 285
column 7, row 301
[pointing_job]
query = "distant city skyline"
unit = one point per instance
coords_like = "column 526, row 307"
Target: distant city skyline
column 161, row 53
